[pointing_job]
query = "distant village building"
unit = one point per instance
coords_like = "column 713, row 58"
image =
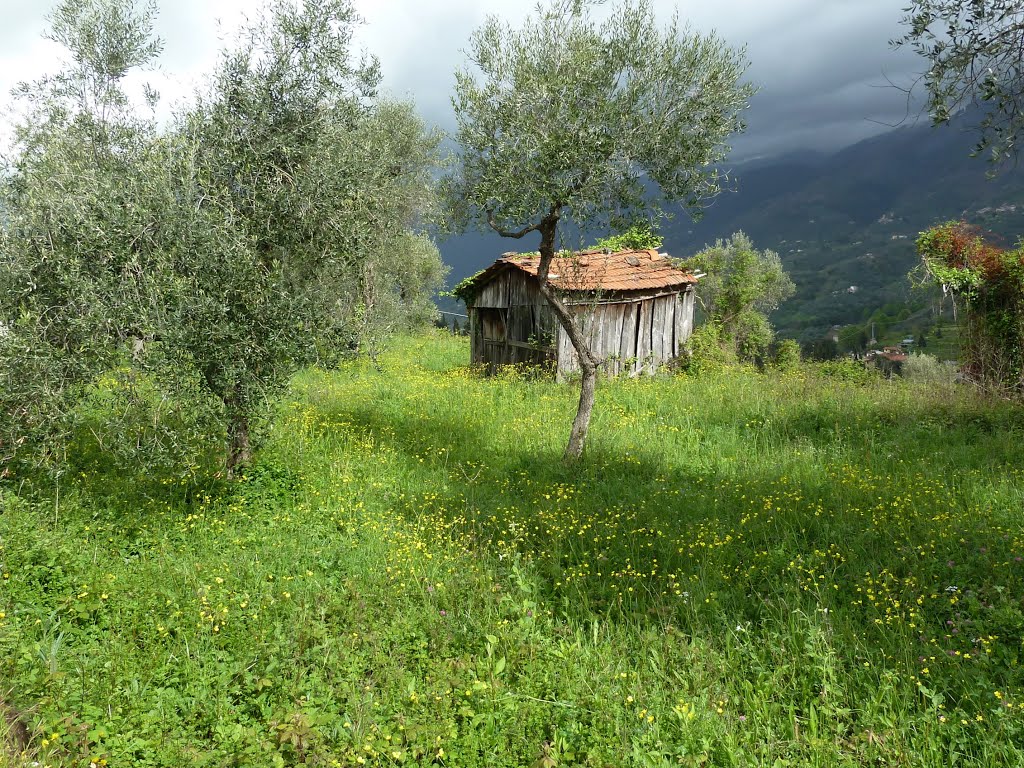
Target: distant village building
column 634, row 307
column 889, row 360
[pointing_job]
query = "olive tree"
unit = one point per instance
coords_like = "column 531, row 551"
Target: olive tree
column 299, row 198
column 277, row 223
column 598, row 121
column 396, row 292
column 75, row 236
column 741, row 286
column 973, row 50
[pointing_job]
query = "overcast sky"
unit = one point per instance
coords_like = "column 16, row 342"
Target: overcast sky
column 822, row 65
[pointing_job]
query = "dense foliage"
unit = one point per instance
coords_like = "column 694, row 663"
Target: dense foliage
column 740, row 287
column 571, row 113
column 989, row 282
column 302, row 196
column 78, row 241
column 277, row 223
column 639, row 236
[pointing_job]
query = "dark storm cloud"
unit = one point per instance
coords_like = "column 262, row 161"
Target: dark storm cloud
column 823, row 66
column 828, row 79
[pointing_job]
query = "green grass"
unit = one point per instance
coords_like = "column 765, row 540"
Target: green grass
column 810, row 569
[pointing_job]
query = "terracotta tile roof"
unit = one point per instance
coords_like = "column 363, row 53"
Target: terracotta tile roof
column 597, row 270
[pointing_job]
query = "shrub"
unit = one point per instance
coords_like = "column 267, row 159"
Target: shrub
column 847, row 370
column 927, row 369
column 706, row 352
column 786, row 355
column 742, row 285
column 989, row 281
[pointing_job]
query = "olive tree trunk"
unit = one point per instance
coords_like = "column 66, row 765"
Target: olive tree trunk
column 239, row 440
column 548, row 228
column 567, row 319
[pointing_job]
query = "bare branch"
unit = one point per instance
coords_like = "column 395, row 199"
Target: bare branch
column 493, row 224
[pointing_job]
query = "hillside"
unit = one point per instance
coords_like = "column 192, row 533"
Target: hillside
column 851, row 219
column 842, row 221
column 745, row 569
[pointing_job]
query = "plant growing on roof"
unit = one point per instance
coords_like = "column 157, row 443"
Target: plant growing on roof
column 569, row 116
column 640, row 236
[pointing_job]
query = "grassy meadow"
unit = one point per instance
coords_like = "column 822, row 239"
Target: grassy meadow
column 812, row 568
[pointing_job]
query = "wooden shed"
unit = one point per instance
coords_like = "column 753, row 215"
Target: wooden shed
column 635, row 307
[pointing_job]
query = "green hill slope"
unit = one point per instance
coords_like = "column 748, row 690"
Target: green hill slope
column 850, row 220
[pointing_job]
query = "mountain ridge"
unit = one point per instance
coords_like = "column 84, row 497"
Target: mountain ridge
column 843, row 221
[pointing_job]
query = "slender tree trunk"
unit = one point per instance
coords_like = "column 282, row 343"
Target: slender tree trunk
column 239, row 442
column 581, row 424
column 548, row 228
column 588, row 362
column 239, row 446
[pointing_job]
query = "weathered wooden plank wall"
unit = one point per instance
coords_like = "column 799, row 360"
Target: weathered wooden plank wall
column 644, row 349
column 673, row 323
column 598, row 325
column 495, row 293
column 686, row 300
column 615, row 320
column 658, row 333
column 476, row 347
column 511, row 322
column 565, row 356
column 627, row 340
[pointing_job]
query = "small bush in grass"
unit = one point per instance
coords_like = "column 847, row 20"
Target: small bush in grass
column 847, row 370
column 706, row 353
column 927, row 369
column 787, row 355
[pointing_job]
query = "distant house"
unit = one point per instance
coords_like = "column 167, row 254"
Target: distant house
column 890, row 360
column 634, row 307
